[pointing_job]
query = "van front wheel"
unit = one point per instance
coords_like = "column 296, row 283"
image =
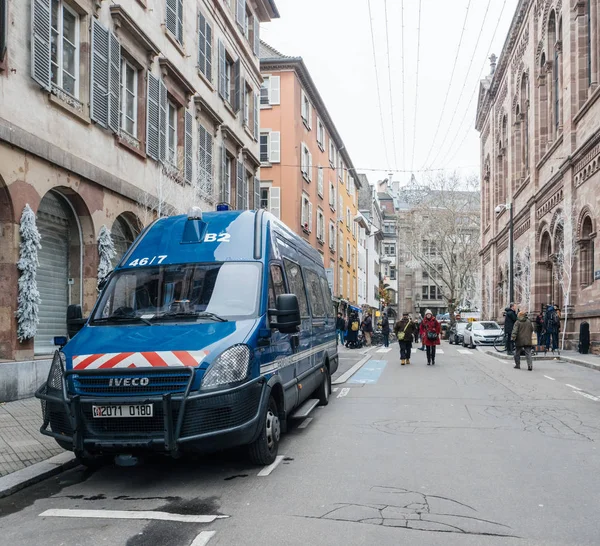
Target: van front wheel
column 324, row 389
column 263, row 450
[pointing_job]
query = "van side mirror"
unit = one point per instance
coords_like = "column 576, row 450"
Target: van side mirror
column 104, row 282
column 287, row 313
column 75, row 321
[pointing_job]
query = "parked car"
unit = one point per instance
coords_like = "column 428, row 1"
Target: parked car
column 481, row 333
column 455, row 335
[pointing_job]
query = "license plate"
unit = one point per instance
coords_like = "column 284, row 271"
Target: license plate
column 138, row 410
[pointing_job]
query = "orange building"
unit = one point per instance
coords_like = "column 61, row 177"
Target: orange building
column 307, row 177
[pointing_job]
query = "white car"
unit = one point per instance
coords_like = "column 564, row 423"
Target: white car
column 481, row 333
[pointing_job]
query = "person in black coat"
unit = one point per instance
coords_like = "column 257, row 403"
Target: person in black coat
column 509, row 323
column 385, row 330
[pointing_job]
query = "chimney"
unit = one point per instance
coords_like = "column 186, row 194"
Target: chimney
column 493, row 62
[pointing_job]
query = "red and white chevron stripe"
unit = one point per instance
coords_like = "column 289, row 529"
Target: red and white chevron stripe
column 158, row 359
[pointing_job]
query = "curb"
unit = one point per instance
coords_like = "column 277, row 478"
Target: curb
column 11, row 483
column 569, row 359
column 347, row 375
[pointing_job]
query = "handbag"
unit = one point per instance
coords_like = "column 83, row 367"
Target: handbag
column 432, row 336
column 401, row 334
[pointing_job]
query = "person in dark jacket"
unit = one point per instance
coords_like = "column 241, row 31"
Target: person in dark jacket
column 430, row 331
column 539, row 327
column 385, row 330
column 509, row 322
column 340, row 327
column 416, row 330
column 404, row 331
column 522, row 333
column 552, row 327
column 352, row 334
column 367, row 328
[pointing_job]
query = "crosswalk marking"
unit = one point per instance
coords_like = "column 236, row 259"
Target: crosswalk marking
column 128, row 514
column 465, row 352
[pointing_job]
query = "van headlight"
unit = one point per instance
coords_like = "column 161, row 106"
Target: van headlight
column 231, row 366
column 57, row 370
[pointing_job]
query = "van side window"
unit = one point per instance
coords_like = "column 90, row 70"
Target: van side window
column 328, row 299
column 276, row 285
column 296, row 284
column 314, row 293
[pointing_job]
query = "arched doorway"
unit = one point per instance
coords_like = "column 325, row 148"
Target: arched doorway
column 59, row 271
column 546, row 274
column 124, row 231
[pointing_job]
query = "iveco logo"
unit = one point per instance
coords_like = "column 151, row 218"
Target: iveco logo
column 128, row 381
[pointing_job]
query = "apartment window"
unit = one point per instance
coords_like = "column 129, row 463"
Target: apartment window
column 265, row 91
column 175, row 19
column 389, row 249
column 306, row 111
column 320, row 225
column 320, row 134
column 270, row 147
column 332, row 236
column 341, row 244
column 204, row 47
column 171, row 133
column 348, row 218
column 425, row 293
column 270, row 93
column 306, row 214
column 64, row 50
column 129, row 92
column 340, row 170
column 332, row 154
column 349, row 286
column 270, row 199
column 228, row 90
column 341, row 281
column 205, row 162
column 341, row 209
column 348, row 252
column 432, row 293
column 331, row 196
column 320, row 181
column 306, row 163
column 392, row 272
column 248, row 98
column 264, row 198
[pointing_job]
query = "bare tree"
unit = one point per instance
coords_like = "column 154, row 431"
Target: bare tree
column 443, row 234
column 489, row 298
column 523, row 277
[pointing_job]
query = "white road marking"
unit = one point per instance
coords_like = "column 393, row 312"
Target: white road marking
column 305, row 423
column 586, row 395
column 465, row 352
column 343, row 393
column 551, row 378
column 572, row 387
column 268, row 469
column 128, row 514
column 335, row 389
column 344, row 377
column 439, row 352
column 203, row 538
column 384, row 350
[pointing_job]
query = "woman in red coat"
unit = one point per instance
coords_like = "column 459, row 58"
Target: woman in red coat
column 430, row 331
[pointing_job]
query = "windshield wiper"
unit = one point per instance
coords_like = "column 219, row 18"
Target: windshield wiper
column 119, row 318
column 200, row 314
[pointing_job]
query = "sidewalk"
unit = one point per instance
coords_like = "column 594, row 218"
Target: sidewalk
column 21, row 444
column 573, row 357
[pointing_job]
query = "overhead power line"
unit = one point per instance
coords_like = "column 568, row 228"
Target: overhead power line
column 412, row 161
column 387, row 159
column 380, row 169
column 475, row 90
column 437, row 130
column 387, row 39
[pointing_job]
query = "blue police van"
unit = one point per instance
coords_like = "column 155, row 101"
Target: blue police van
column 212, row 332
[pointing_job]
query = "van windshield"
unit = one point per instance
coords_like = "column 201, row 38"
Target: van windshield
column 215, row 291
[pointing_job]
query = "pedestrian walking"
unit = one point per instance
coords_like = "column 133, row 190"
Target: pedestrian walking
column 552, row 327
column 522, row 333
column 340, row 327
column 385, row 330
column 510, row 318
column 367, row 329
column 430, row 335
column 416, row 330
column 352, row 335
column 404, row 331
column 539, row 328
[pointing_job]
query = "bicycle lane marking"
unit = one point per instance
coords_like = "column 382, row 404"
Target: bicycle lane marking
column 370, row 373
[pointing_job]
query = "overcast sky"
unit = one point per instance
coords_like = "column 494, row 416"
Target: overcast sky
column 334, row 39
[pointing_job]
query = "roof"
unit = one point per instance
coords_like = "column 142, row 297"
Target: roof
column 269, row 52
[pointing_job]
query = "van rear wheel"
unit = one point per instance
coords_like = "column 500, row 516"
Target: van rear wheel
column 263, row 450
column 324, row 389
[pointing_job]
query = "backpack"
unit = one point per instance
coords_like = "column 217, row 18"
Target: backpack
column 354, row 326
column 553, row 320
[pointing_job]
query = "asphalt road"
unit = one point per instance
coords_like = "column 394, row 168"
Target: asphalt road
column 469, row 452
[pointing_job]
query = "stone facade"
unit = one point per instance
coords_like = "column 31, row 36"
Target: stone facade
column 538, row 116
column 120, row 113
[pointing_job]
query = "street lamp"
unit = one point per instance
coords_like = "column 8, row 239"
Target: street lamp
column 511, row 249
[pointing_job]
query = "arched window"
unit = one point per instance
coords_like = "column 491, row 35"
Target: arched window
column 525, row 123
column 124, row 231
column 543, row 100
column 587, row 252
column 504, row 180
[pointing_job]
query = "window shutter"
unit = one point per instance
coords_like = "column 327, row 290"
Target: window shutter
column 238, row 86
column 208, row 66
column 222, row 69
column 202, row 43
column 241, row 13
column 256, row 36
column 310, row 216
column 152, row 118
column 256, row 193
column 303, row 159
column 245, row 113
column 188, row 162
column 224, row 182
column 171, row 21
column 201, row 167
column 100, row 74
column 275, row 83
column 320, row 180
column 180, row 21
column 241, row 190
column 162, row 120
column 256, row 114
column 40, row 42
column 310, row 166
column 275, row 147
column 275, row 202
column 114, row 97
column 309, row 115
column 208, row 164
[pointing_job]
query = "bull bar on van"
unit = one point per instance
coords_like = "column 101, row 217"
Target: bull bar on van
column 211, row 420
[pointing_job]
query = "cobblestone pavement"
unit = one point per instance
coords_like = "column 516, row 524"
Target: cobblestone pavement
column 21, row 443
